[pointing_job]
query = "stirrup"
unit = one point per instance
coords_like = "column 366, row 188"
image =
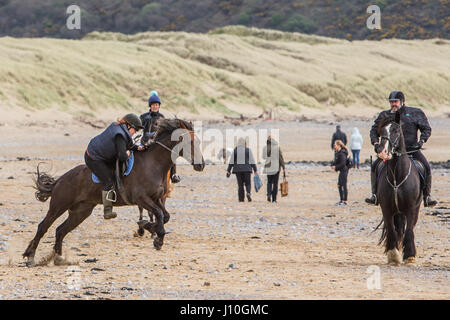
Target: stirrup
column 113, row 199
column 372, row 200
column 427, row 201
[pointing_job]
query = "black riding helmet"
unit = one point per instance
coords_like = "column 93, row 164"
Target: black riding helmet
column 134, row 121
column 397, row 95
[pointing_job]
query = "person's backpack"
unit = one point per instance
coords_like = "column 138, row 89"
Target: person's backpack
column 349, row 163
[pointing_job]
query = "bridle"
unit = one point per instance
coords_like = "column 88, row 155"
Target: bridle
column 182, row 126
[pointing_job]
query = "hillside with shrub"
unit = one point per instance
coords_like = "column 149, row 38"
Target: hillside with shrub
column 405, row 19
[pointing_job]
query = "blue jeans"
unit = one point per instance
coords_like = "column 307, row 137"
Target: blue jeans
column 356, row 156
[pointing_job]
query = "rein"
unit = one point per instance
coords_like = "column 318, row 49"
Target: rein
column 394, row 185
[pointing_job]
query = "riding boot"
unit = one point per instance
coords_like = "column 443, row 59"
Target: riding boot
column 373, row 181
column 427, row 200
column 108, row 205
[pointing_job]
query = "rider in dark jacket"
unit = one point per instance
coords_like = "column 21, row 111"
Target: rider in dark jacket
column 105, row 148
column 149, row 120
column 413, row 120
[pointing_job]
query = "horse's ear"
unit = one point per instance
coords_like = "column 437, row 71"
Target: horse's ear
column 182, row 126
column 397, row 117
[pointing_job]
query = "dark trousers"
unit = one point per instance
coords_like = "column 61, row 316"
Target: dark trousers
column 243, row 178
column 103, row 170
column 272, row 186
column 342, row 185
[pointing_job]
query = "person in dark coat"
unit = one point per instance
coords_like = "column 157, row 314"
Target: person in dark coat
column 412, row 120
column 149, row 120
column 274, row 162
column 103, row 150
column 338, row 135
column 242, row 163
column 340, row 164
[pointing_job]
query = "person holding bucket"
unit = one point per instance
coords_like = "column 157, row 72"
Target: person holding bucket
column 274, row 162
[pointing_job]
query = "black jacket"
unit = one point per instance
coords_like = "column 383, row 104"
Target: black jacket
column 340, row 160
column 149, row 121
column 412, row 119
column 338, row 135
column 242, row 160
column 111, row 143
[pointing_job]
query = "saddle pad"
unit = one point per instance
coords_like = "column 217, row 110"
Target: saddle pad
column 130, row 162
column 419, row 166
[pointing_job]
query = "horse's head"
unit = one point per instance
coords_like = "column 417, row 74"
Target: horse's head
column 183, row 141
column 391, row 137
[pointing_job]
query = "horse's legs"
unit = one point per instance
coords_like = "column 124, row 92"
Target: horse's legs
column 158, row 226
column 140, row 231
column 409, row 247
column 391, row 244
column 161, row 205
column 77, row 214
column 52, row 214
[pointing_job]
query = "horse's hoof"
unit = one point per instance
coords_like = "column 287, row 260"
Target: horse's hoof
column 30, row 263
column 158, row 243
column 394, row 257
column 139, row 233
column 410, row 260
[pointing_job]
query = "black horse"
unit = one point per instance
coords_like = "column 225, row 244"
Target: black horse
column 399, row 193
column 145, row 186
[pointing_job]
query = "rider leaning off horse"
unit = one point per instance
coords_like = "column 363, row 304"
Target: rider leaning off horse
column 149, row 120
column 413, row 120
column 103, row 151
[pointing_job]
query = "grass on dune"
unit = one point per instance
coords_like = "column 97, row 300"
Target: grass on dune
column 237, row 65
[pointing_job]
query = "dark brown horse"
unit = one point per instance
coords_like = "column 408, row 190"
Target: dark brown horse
column 145, row 186
column 399, row 193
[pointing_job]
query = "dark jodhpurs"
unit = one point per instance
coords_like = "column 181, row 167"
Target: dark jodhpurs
column 243, row 178
column 342, row 184
column 272, row 186
column 418, row 155
column 103, row 170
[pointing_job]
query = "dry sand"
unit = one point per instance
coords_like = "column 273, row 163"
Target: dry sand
column 303, row 247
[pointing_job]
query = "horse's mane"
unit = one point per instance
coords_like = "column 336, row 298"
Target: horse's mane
column 165, row 127
column 384, row 122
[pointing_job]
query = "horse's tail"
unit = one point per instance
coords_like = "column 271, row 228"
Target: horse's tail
column 399, row 224
column 383, row 231
column 44, row 184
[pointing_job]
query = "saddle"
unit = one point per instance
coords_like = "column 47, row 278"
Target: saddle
column 419, row 166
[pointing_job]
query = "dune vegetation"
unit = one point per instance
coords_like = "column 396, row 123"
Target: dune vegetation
column 224, row 71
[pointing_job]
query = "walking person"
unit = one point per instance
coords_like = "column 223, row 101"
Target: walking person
column 242, row 164
column 340, row 164
column 356, row 143
column 274, row 162
column 338, row 135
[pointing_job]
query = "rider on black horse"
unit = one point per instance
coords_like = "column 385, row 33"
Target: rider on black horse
column 103, row 150
column 149, row 122
column 413, row 120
